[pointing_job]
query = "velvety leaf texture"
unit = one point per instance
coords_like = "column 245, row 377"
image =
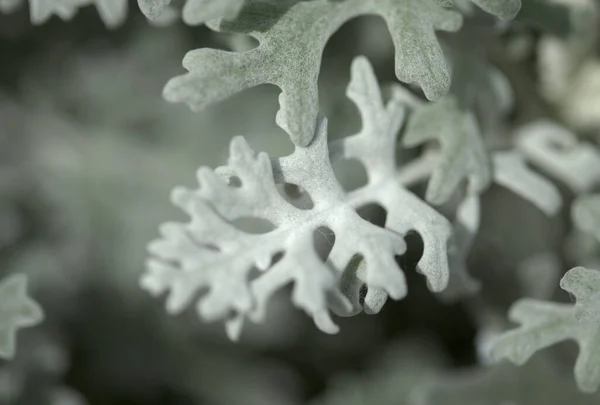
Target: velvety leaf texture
column 239, row 271
column 545, row 323
column 17, row 311
column 291, row 42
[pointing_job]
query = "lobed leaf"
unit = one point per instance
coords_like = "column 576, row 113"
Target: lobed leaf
column 545, row 323
column 291, row 42
column 463, row 154
column 558, row 152
column 236, row 272
column 511, row 172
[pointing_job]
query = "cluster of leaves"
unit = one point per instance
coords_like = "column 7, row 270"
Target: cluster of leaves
column 234, row 272
column 231, row 271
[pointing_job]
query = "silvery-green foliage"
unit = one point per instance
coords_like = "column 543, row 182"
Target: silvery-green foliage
column 558, row 152
column 194, row 12
column 464, row 231
column 463, row 154
column 291, row 42
column 511, row 172
column 17, row 310
column 546, row 323
column 242, row 270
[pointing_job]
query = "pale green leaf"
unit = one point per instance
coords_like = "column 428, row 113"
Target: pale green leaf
column 464, row 231
column 558, row 152
column 545, row 323
column 510, row 171
column 242, row 270
column 291, row 43
column 463, row 154
column 17, row 311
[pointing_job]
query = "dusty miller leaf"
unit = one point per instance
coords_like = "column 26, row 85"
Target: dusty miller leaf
column 585, row 214
column 291, row 42
column 558, row 152
column 211, row 253
column 465, row 228
column 463, row 154
column 546, row 323
column 510, row 171
column 17, row 311
column 195, row 12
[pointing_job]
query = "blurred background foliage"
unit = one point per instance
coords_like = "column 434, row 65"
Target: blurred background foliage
column 89, row 151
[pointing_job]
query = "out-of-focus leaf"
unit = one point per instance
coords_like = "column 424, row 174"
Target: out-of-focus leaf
column 558, row 152
column 585, row 214
column 195, row 12
column 510, row 171
column 463, row 154
column 17, row 310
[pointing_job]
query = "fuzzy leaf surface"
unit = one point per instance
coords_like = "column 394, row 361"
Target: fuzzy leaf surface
column 546, row 323
column 291, row 42
column 239, row 271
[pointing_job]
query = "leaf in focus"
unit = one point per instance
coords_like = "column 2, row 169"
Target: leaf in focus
column 241, row 270
column 546, row 323
column 291, row 42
